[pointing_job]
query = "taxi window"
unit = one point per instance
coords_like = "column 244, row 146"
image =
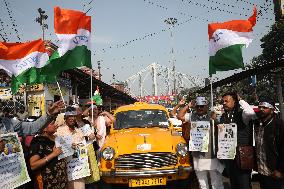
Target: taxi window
column 141, row 118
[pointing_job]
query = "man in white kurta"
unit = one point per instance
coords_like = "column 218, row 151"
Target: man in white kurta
column 204, row 162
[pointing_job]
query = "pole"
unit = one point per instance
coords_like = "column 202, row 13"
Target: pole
column 280, row 96
column 14, row 101
column 211, row 92
column 213, row 122
column 60, row 92
column 172, row 22
column 40, row 20
column 42, row 27
column 99, row 68
column 92, row 105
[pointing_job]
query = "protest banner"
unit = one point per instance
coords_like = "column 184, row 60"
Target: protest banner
column 78, row 164
column 227, row 141
column 87, row 130
column 13, row 170
column 199, row 136
column 65, row 143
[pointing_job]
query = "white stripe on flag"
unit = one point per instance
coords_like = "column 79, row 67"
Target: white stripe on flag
column 17, row 66
column 70, row 41
column 223, row 38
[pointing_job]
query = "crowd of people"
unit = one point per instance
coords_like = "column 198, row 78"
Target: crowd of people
column 259, row 146
column 45, row 168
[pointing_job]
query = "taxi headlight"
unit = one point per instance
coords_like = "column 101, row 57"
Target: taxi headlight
column 182, row 149
column 108, row 153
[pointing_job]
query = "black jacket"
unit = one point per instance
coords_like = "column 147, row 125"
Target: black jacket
column 273, row 141
column 244, row 133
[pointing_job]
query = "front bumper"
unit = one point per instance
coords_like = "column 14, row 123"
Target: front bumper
column 136, row 173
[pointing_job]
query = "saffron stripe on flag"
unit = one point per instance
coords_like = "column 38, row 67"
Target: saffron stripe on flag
column 69, row 21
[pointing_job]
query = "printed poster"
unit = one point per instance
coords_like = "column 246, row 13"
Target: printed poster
column 227, row 141
column 199, row 136
column 78, row 164
column 13, row 170
column 65, row 143
column 87, row 130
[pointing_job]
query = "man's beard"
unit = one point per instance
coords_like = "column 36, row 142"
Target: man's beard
column 262, row 115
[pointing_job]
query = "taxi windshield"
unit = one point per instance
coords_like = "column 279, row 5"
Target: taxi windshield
column 141, row 118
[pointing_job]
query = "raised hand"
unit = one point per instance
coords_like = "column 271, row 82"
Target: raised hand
column 56, row 151
column 56, row 107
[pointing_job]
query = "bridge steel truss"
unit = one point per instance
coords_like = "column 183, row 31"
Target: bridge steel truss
column 162, row 80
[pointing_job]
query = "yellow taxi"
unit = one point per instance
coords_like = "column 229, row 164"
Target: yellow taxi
column 144, row 149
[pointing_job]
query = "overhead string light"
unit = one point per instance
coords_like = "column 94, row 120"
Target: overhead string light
column 203, row 19
column 219, row 9
column 250, row 3
column 179, row 12
column 151, row 34
column 104, row 50
column 13, row 21
column 4, row 35
column 144, row 37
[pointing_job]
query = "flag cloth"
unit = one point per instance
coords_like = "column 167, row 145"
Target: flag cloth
column 73, row 29
column 22, row 60
column 96, row 99
column 226, row 41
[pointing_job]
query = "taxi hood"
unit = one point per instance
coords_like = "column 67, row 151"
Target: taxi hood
column 142, row 140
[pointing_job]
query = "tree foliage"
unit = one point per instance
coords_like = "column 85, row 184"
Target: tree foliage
column 273, row 43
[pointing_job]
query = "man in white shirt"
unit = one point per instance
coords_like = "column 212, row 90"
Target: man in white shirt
column 204, row 162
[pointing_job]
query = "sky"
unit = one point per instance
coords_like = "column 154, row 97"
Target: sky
column 129, row 35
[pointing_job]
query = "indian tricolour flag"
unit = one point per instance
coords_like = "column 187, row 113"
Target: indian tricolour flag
column 73, row 29
column 21, row 61
column 226, row 41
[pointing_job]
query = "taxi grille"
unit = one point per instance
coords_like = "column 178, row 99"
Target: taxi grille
column 146, row 160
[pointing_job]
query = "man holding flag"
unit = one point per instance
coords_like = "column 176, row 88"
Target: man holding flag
column 226, row 41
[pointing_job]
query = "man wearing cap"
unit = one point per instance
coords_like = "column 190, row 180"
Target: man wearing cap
column 238, row 112
column 269, row 136
column 204, row 162
column 70, row 128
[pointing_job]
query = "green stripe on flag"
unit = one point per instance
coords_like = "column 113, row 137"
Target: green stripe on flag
column 77, row 57
column 225, row 59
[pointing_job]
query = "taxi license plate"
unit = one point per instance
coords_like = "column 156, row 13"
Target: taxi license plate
column 147, row 182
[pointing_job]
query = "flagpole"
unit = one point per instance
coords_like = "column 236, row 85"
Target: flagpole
column 213, row 121
column 211, row 92
column 60, row 92
column 91, row 95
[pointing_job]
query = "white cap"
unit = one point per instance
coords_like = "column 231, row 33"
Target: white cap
column 201, row 101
